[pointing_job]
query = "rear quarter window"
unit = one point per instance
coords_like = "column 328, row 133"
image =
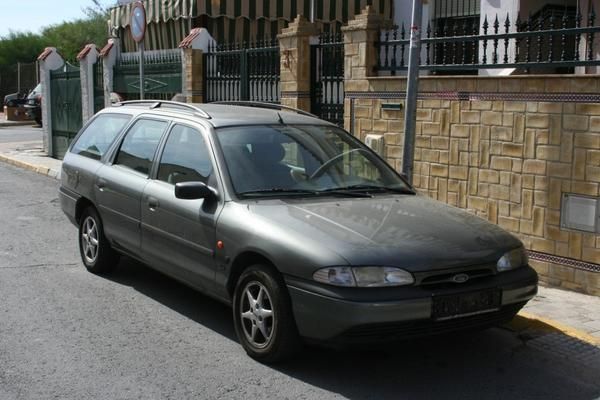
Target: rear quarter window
column 97, row 137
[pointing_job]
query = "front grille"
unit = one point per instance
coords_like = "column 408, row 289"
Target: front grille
column 411, row 329
column 440, row 279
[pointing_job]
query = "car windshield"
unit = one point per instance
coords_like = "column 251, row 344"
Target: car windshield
column 301, row 160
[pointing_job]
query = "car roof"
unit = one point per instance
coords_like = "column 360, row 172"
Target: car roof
column 221, row 115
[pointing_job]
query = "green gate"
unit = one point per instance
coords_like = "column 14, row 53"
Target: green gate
column 65, row 106
column 98, row 86
column 162, row 75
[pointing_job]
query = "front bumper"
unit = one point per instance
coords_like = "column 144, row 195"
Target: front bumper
column 349, row 315
column 32, row 111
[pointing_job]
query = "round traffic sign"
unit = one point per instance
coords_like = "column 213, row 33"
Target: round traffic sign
column 138, row 21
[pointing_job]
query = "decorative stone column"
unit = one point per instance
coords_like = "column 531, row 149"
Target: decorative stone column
column 193, row 48
column 110, row 54
column 49, row 60
column 360, row 55
column 87, row 58
column 294, row 47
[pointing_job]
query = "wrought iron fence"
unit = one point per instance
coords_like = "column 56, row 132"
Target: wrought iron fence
column 243, row 71
column 162, row 74
column 18, row 78
column 544, row 42
column 327, row 77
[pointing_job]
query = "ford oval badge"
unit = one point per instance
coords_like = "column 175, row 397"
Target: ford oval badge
column 460, row 278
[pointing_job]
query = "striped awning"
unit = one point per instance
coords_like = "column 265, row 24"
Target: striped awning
column 326, row 11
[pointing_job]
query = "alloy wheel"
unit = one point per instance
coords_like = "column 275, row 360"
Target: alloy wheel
column 258, row 318
column 90, row 240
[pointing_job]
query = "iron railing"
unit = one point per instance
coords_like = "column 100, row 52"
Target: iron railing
column 327, row 77
column 548, row 43
column 243, row 71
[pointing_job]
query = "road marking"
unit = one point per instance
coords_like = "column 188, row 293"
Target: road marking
column 546, row 324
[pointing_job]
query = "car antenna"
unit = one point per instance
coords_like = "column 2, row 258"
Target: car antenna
column 280, row 119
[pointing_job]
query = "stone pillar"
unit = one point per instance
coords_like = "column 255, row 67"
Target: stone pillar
column 360, row 55
column 87, row 57
column 193, row 48
column 110, row 54
column 294, row 47
column 49, row 60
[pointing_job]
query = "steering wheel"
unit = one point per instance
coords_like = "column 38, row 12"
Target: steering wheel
column 331, row 162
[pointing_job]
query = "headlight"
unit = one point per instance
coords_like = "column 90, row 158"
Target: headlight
column 364, row 276
column 513, row 259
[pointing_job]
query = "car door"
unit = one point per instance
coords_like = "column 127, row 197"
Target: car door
column 179, row 235
column 120, row 184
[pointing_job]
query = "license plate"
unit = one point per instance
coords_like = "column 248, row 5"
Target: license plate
column 464, row 304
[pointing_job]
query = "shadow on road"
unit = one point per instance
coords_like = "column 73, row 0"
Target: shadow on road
column 494, row 364
column 178, row 297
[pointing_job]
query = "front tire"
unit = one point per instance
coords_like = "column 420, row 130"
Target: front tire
column 96, row 253
column 263, row 317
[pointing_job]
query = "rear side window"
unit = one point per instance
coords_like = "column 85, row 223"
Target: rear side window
column 99, row 135
column 139, row 146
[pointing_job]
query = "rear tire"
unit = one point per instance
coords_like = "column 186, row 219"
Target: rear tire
column 38, row 121
column 263, row 317
column 96, row 253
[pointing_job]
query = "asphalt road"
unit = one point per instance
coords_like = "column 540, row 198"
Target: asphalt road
column 67, row 334
column 22, row 133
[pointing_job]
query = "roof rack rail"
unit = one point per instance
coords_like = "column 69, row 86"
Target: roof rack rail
column 271, row 106
column 160, row 103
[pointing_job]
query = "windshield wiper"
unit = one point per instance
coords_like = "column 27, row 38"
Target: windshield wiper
column 371, row 188
column 302, row 192
column 277, row 191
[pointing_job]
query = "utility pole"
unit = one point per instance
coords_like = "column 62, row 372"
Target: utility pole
column 410, row 113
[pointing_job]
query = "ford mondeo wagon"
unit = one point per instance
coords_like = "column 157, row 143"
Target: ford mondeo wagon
column 307, row 233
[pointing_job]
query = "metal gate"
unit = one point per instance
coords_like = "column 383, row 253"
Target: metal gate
column 242, row 72
column 327, row 78
column 162, row 75
column 98, row 86
column 65, row 106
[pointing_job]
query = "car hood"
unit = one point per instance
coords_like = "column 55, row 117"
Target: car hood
column 412, row 232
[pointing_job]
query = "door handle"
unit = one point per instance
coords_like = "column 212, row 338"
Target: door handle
column 101, row 184
column 152, row 203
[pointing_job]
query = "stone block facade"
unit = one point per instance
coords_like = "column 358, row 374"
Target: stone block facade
column 505, row 149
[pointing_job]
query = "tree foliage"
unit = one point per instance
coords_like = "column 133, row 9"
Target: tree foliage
column 68, row 37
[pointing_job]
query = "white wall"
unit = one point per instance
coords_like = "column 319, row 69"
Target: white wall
column 500, row 8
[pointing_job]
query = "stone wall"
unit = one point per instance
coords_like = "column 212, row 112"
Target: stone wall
column 505, row 149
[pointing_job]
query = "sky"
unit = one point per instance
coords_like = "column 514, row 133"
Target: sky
column 32, row 15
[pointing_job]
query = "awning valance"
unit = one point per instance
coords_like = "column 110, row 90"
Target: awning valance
column 326, row 11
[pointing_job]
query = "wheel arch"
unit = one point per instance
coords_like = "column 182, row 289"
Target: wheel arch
column 81, row 205
column 243, row 261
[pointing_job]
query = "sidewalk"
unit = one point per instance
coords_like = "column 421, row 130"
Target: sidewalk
column 573, row 313
column 554, row 311
column 29, row 155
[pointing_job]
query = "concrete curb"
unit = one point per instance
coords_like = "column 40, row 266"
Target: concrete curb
column 30, row 167
column 525, row 320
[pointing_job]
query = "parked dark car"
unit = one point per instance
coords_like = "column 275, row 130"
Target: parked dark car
column 33, row 104
column 15, row 99
column 306, row 232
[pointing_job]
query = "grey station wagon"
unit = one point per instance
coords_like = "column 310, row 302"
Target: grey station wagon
column 307, row 233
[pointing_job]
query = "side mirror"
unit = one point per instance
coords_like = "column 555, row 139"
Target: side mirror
column 193, row 191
